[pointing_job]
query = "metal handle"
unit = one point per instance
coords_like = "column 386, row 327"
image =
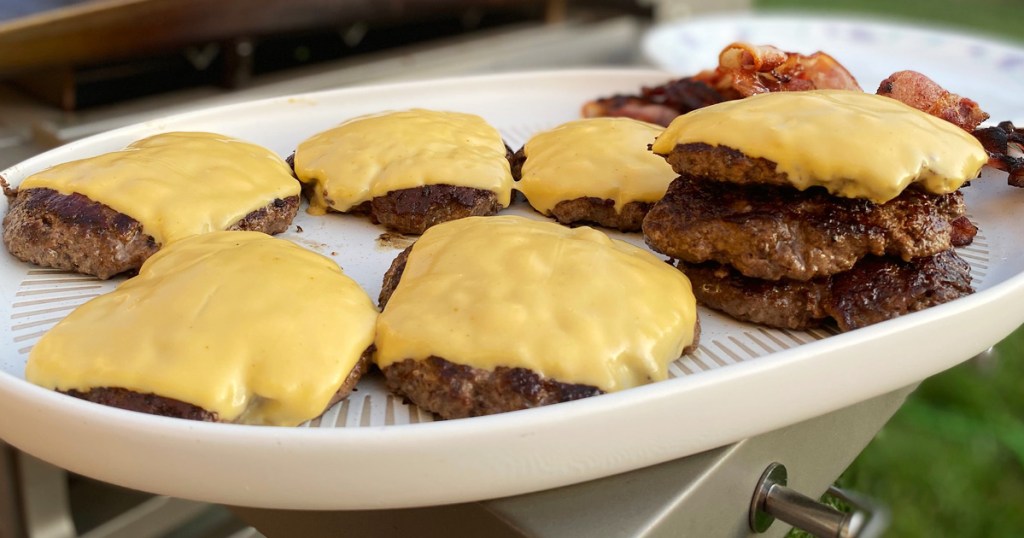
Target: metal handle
column 772, row 499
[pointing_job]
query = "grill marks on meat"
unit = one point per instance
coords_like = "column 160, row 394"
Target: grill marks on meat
column 154, row 404
column 916, row 90
column 457, row 391
column 773, row 232
column 882, row 289
column 874, row 290
column 1005, row 146
column 74, row 233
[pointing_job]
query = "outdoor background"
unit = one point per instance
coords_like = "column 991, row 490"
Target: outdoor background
column 951, row 462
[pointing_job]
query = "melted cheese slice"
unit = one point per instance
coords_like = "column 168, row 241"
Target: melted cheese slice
column 373, row 155
column 605, row 158
column 177, row 184
column 856, row 145
column 256, row 329
column 568, row 303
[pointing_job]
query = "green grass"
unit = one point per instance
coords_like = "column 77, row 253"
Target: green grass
column 951, row 461
column 1003, row 18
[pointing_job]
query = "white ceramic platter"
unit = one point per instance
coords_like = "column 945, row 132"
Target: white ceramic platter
column 372, row 451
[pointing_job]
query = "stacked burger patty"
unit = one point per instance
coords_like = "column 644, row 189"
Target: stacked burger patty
column 767, row 242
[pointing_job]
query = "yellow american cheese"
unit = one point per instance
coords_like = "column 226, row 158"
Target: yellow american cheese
column 256, row 329
column 177, row 184
column 855, row 144
column 605, row 158
column 373, row 155
column 568, row 303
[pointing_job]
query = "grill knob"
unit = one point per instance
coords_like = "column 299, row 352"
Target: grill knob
column 773, row 500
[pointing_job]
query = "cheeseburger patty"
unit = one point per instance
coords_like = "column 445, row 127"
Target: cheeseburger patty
column 875, row 289
column 413, row 210
column 223, row 326
column 591, row 210
column 773, row 232
column 457, row 391
column 407, row 169
column 593, row 170
column 75, row 233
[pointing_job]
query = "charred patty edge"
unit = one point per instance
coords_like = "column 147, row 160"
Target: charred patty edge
column 875, row 290
column 592, row 210
column 722, row 163
column 453, row 390
column 154, row 404
column 414, row 210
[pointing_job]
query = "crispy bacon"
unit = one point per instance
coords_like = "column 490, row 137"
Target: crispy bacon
column 743, row 70
column 631, row 107
column 914, row 89
column 657, row 104
column 1005, row 146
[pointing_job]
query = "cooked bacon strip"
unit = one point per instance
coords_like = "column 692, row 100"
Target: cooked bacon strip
column 630, row 107
column 743, row 70
column 744, row 56
column 914, row 89
column 1005, row 146
column 656, row 104
column 746, row 70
